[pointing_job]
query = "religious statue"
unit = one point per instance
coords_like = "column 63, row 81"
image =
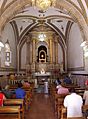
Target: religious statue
column 42, row 71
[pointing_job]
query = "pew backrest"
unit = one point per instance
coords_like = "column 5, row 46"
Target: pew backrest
column 10, row 110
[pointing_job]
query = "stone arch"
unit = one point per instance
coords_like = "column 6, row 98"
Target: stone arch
column 61, row 4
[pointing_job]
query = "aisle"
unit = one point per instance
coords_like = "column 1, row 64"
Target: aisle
column 41, row 108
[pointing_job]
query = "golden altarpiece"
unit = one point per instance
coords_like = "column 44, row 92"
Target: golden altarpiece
column 42, row 53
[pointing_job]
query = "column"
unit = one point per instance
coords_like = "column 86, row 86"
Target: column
column 51, row 48
column 28, row 52
column 33, row 49
column 53, row 51
column 56, row 51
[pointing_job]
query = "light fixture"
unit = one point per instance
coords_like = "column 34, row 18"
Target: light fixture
column 1, row 44
column 42, row 37
column 84, row 45
column 43, row 5
column 7, row 46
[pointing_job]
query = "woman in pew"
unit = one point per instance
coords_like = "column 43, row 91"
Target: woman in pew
column 25, row 84
column 2, row 97
column 61, row 89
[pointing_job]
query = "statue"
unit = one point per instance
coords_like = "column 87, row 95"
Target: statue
column 42, row 71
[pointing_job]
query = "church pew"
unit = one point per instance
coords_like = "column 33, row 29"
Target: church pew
column 71, row 86
column 10, row 112
column 28, row 99
column 59, row 104
column 12, row 102
column 64, row 113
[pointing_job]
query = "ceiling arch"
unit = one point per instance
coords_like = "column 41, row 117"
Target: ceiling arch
column 13, row 6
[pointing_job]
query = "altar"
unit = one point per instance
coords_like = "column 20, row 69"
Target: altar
column 38, row 74
column 41, row 79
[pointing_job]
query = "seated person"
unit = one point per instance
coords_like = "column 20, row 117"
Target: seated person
column 85, row 96
column 7, row 92
column 12, row 77
column 73, row 103
column 62, row 90
column 85, row 100
column 20, row 93
column 25, row 84
column 2, row 97
column 67, row 80
column 86, row 83
column 57, row 82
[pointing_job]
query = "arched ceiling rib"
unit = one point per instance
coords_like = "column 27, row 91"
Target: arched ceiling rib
column 72, row 9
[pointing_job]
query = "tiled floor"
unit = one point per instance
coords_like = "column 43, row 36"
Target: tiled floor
column 41, row 108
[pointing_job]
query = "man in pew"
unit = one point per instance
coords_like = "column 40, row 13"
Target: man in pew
column 20, row 93
column 73, row 103
column 67, row 80
column 57, row 82
column 2, row 97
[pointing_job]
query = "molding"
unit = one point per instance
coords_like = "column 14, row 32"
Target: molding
column 76, row 69
column 7, row 69
column 83, row 74
column 15, row 29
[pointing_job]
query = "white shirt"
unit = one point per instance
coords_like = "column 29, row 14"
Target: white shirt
column 73, row 102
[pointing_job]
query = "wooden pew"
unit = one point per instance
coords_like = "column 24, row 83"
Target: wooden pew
column 10, row 112
column 60, row 101
column 64, row 113
column 12, row 102
column 28, row 99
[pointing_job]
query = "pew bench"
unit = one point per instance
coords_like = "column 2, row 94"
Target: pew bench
column 10, row 112
column 16, row 102
column 64, row 113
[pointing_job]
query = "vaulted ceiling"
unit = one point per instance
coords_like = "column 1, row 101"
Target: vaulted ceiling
column 22, row 16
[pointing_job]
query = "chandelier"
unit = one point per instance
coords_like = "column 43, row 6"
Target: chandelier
column 43, row 4
column 42, row 37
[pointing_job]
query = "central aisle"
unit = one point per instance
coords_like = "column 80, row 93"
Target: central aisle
column 41, row 108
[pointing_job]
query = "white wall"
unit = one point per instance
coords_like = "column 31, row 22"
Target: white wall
column 60, row 54
column 75, row 52
column 23, row 56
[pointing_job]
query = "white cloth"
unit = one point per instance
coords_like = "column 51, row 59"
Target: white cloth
column 73, row 102
column 85, row 97
column 45, row 87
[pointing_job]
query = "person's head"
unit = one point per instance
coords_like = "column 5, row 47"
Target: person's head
column 72, row 90
column 19, row 85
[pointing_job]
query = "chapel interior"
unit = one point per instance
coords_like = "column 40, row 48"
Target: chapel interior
column 39, row 40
